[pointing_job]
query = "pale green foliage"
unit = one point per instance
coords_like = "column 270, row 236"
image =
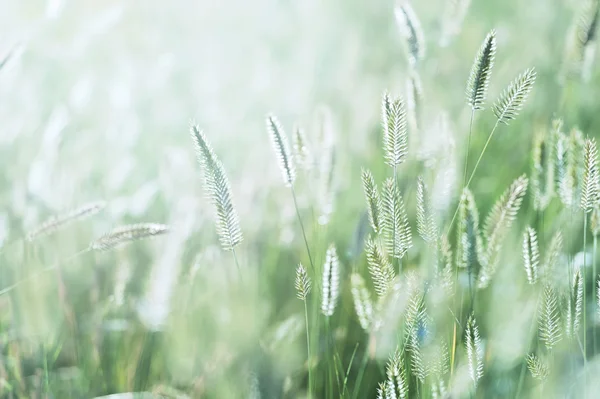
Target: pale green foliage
column 330, row 288
column 280, row 144
column 381, row 270
column 538, row 367
column 590, row 191
column 395, row 133
column 426, row 225
column 531, row 254
column 474, row 350
column 397, row 234
column 410, row 29
column 219, row 191
column 373, row 200
column 549, row 318
column 497, row 224
column 302, row 283
column 481, row 72
column 362, row 301
column 511, row 101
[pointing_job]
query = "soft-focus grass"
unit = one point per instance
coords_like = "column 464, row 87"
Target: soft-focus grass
column 96, row 103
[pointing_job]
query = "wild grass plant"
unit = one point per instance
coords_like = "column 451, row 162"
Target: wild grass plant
column 402, row 242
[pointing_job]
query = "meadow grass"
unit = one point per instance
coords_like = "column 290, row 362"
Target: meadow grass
column 341, row 265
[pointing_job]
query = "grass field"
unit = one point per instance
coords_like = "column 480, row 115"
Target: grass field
column 277, row 199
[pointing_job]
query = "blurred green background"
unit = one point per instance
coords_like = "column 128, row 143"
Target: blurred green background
column 96, row 101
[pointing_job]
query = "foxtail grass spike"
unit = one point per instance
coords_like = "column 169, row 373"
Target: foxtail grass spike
column 481, row 71
column 508, row 106
column 398, row 237
column 219, row 192
column 468, row 239
column 590, row 192
column 126, row 234
column 426, row 225
column 531, row 255
column 381, row 270
column 410, row 29
column 302, row 283
column 58, row 222
column 497, row 225
column 395, row 134
column 549, row 323
column 362, row 301
column 281, row 147
column 373, row 200
column 302, row 152
column 331, row 282
column 537, row 367
column 474, row 350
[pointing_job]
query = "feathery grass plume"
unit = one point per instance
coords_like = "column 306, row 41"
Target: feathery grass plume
column 380, row 268
column 573, row 179
column 452, row 19
column 511, row 101
column 580, row 46
column 58, row 222
column 414, row 347
column 415, row 326
column 538, row 367
column 562, row 178
column 302, row 153
column 598, row 298
column 398, row 238
column 542, row 170
column 552, row 255
column 595, row 220
column 373, row 200
column 445, row 272
column 302, row 283
column 219, row 191
column 588, row 27
column 410, row 29
column 395, row 133
column 331, row 282
column 426, row 225
column 590, row 191
column 474, row 350
column 126, row 234
column 468, row 239
column 396, row 376
column 481, row 71
column 280, row 144
column 531, row 254
column 575, row 305
column 414, row 99
column 362, row 301
column 549, row 318
column 497, row 224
